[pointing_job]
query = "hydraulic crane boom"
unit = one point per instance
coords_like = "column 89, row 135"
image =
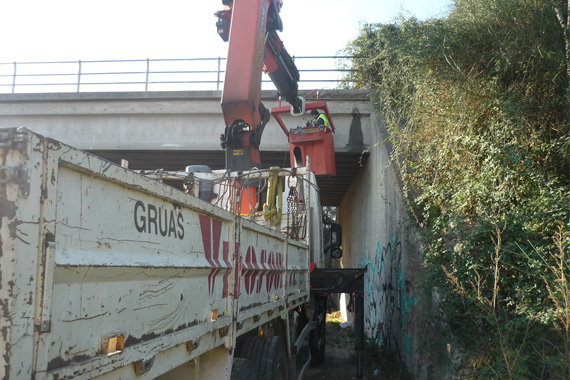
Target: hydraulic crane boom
column 251, row 28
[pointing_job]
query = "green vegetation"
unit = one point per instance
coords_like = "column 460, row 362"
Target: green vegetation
column 341, row 359
column 477, row 105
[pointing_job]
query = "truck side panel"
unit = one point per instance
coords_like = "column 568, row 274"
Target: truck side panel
column 105, row 270
column 273, row 273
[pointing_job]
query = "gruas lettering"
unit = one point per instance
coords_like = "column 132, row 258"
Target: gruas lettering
column 158, row 220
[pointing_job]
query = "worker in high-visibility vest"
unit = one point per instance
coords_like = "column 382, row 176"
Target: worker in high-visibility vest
column 320, row 120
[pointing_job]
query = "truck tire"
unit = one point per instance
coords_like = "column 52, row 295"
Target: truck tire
column 268, row 356
column 242, row 369
column 317, row 338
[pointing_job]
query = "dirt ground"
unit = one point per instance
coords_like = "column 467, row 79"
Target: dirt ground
column 341, row 360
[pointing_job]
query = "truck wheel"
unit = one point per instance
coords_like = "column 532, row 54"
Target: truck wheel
column 268, row 356
column 318, row 336
column 242, row 369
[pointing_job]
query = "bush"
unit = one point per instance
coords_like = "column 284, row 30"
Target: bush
column 477, row 105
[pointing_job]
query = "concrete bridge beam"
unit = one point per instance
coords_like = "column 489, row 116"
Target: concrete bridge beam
column 166, row 120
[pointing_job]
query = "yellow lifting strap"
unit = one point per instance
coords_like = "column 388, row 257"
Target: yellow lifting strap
column 269, row 211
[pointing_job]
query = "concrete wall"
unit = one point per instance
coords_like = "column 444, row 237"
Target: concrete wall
column 400, row 314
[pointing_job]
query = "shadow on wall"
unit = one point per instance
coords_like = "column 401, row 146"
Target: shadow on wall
column 355, row 136
column 386, row 298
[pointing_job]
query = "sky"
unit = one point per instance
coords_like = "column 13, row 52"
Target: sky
column 60, row 30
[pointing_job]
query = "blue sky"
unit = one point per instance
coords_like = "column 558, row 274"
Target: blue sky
column 40, row 30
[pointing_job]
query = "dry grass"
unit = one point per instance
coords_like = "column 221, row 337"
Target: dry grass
column 335, row 317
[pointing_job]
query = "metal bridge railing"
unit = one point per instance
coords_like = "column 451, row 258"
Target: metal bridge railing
column 189, row 74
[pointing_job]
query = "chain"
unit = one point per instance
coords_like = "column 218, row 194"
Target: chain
column 296, row 220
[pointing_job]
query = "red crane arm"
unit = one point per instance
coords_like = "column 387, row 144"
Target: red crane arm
column 251, row 28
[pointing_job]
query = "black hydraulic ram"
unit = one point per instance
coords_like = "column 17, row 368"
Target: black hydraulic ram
column 346, row 280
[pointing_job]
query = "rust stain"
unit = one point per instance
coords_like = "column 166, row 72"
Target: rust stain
column 253, row 305
column 131, row 340
column 11, row 288
column 106, row 167
column 13, row 228
column 1, row 250
column 86, row 318
column 7, row 210
column 7, row 347
column 69, row 350
column 60, row 362
column 151, row 293
column 54, row 144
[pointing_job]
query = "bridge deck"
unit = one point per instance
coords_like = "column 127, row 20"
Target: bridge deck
column 171, row 130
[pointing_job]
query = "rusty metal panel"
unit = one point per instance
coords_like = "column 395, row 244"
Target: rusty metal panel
column 262, row 283
column 104, row 270
column 297, row 265
column 22, row 195
column 272, row 275
column 134, row 262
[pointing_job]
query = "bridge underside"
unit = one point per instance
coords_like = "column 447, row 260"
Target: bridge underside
column 332, row 189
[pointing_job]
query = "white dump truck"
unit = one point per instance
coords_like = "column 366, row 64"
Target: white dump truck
column 106, row 273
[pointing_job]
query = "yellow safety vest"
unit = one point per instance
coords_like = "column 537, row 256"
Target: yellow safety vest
column 326, row 121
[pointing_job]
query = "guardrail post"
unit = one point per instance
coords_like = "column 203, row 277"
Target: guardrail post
column 79, row 77
column 218, row 81
column 147, row 71
column 14, row 79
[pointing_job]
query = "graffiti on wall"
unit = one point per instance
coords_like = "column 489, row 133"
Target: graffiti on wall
column 387, row 297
